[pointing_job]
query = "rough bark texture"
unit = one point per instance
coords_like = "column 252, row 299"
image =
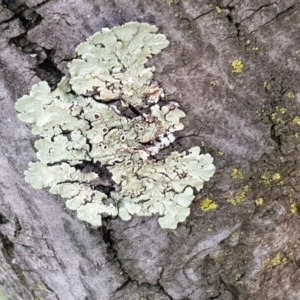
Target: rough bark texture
column 246, row 121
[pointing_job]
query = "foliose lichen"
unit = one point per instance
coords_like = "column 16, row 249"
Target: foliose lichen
column 80, row 123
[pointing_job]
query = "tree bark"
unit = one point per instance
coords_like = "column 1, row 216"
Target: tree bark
column 248, row 248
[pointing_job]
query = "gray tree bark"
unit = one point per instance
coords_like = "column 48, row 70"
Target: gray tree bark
column 247, row 121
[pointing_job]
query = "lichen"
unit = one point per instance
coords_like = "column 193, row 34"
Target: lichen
column 278, row 114
column 81, row 125
column 240, row 196
column 208, row 205
column 294, row 206
column 219, row 9
column 236, row 174
column 269, row 179
column 111, row 64
column 296, row 121
column 274, row 262
column 267, row 86
column 237, row 66
column 291, row 95
column 259, row 201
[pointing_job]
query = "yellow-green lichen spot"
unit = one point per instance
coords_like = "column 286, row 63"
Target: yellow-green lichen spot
column 208, row 204
column 237, row 66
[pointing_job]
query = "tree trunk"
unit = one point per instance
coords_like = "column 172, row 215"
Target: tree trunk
column 232, row 66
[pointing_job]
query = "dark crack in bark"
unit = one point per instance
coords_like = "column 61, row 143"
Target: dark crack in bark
column 110, row 241
column 8, row 254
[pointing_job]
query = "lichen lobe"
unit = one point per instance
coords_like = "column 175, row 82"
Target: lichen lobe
column 110, row 64
column 77, row 124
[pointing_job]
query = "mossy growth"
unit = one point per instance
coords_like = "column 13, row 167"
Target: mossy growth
column 85, row 133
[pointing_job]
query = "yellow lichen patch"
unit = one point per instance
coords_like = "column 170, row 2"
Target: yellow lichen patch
column 212, row 83
column 290, row 95
column 296, row 121
column 282, row 110
column 276, row 261
column 267, row 86
column 237, row 66
column 248, row 42
column 294, row 206
column 236, row 174
column 259, row 201
column 277, row 115
column 276, row 177
column 221, row 153
column 240, row 197
column 266, row 178
column 270, row 179
column 169, row 2
column 255, row 48
column 219, row 9
column 234, row 234
column 282, row 159
column 40, row 287
column 208, row 205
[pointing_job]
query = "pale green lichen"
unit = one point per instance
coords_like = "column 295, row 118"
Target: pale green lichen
column 77, row 131
column 110, row 64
